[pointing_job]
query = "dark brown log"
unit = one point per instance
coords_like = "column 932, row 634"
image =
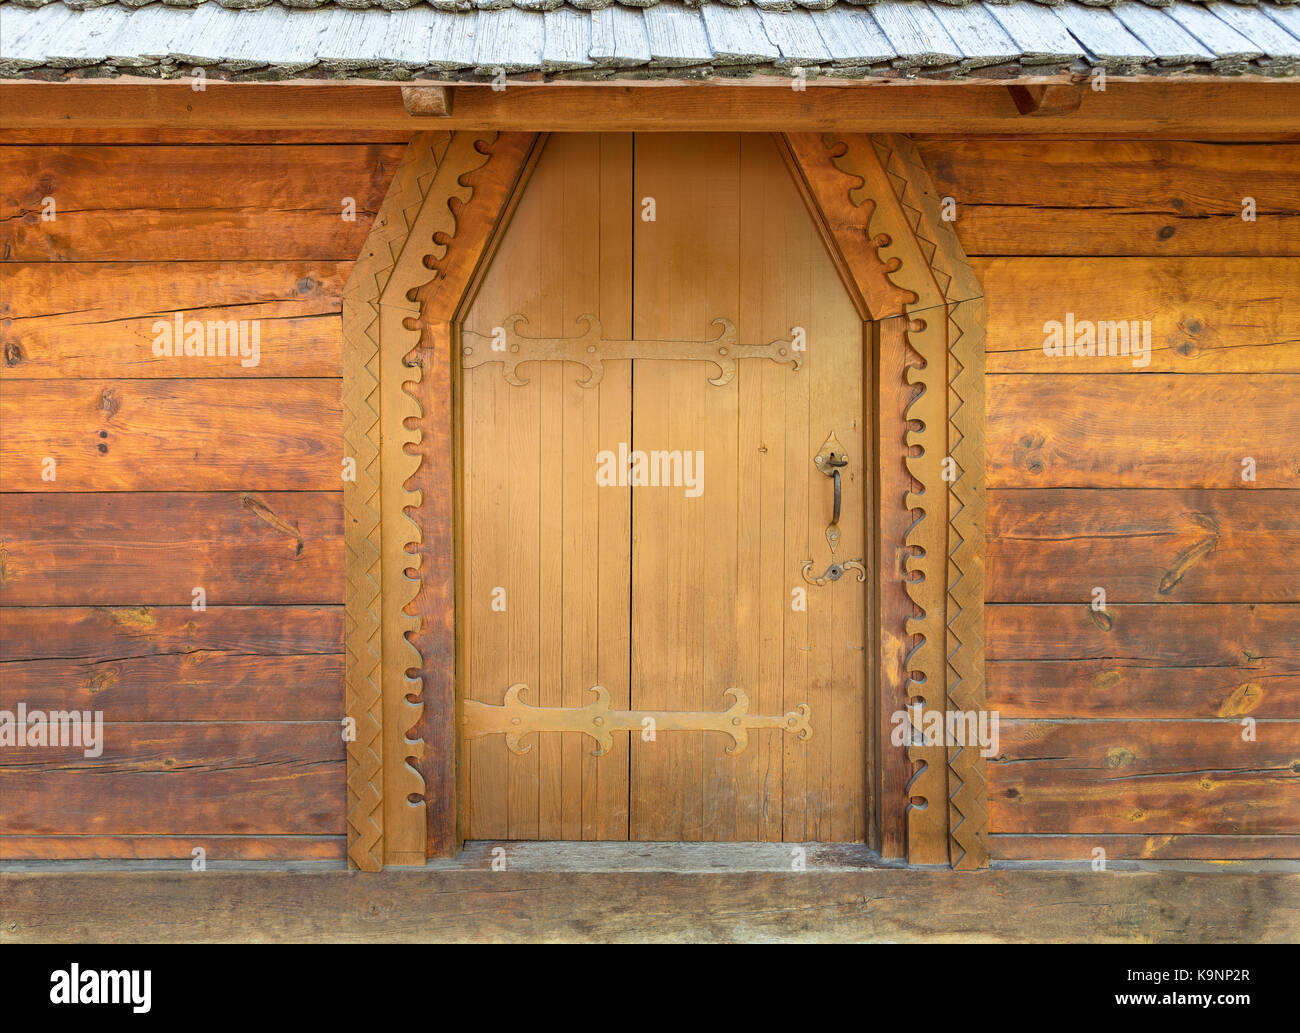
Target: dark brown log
column 173, row 848
column 1165, row 848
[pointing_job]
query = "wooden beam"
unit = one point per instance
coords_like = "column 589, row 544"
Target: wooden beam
column 1224, row 108
column 427, row 101
column 1046, row 99
column 468, row 901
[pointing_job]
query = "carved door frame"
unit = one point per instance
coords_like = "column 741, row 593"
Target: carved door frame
column 902, row 265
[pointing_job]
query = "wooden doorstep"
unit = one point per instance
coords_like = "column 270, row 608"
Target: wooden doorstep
column 1185, row 902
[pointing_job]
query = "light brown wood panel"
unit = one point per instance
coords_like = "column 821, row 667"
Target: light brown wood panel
column 177, row 779
column 176, row 664
column 535, row 523
column 131, row 549
column 1207, row 315
column 1143, row 430
column 732, row 239
column 1147, row 777
column 1056, row 546
column 1157, row 660
column 172, row 435
column 189, row 204
column 97, row 319
column 1119, row 197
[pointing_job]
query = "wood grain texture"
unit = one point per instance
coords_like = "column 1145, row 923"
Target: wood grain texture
column 172, row 435
column 1144, row 546
column 1111, row 197
column 1208, row 315
column 96, row 320
column 188, row 204
column 1192, row 661
column 128, row 549
column 175, row 779
column 1156, row 778
column 1143, row 430
column 175, row 664
column 886, row 905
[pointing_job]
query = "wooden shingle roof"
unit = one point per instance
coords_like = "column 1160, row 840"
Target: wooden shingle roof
column 467, row 40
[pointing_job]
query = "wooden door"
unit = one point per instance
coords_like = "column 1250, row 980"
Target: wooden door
column 665, row 595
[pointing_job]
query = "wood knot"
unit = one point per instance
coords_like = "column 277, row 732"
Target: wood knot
column 13, row 353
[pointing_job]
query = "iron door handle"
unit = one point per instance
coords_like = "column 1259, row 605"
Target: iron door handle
column 830, row 460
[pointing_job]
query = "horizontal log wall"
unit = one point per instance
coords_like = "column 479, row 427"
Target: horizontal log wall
column 221, row 725
column 1121, row 728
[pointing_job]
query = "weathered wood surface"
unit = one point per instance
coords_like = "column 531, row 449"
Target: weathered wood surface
column 1056, row 546
column 173, row 848
column 1143, row 430
column 129, row 549
column 1109, row 197
column 229, row 663
column 172, row 435
column 1222, row 906
column 1189, row 661
column 1158, row 777
column 248, row 778
column 1124, row 847
column 179, row 203
column 1176, row 109
column 96, row 319
column 1208, row 315
column 102, row 135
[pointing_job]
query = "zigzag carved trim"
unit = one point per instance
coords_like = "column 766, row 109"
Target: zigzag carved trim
column 362, row 504
column 964, row 673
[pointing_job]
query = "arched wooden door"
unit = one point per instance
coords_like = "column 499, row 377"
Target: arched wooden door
column 658, row 352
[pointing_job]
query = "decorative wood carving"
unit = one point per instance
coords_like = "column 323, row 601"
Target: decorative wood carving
column 592, row 350
column 441, row 210
column 515, row 719
column 878, row 214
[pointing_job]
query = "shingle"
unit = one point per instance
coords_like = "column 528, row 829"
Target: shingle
column 618, row 38
column 914, row 31
column 147, row 34
column 1040, row 38
column 408, row 34
column 676, row 36
column 977, row 33
column 508, row 41
column 736, row 35
column 454, row 42
column 1164, row 37
column 1257, row 27
column 852, row 37
column 356, row 41
column 796, row 37
column 568, row 40
column 1102, row 34
column 95, row 29
column 1218, row 35
column 26, row 33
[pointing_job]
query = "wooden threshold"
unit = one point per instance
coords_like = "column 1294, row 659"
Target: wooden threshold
column 836, row 899
column 1220, row 108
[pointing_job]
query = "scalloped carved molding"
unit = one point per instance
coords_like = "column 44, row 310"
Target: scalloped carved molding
column 879, row 212
column 429, row 238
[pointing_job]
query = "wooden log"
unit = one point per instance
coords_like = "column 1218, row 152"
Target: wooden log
column 1108, row 197
column 1056, row 546
column 172, row 435
column 1232, row 905
column 173, row 848
column 1148, row 777
column 99, row 319
column 1143, row 661
column 133, row 549
column 178, row 203
column 1207, row 109
column 1143, row 430
column 1163, row 848
column 1208, row 315
column 178, row 779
